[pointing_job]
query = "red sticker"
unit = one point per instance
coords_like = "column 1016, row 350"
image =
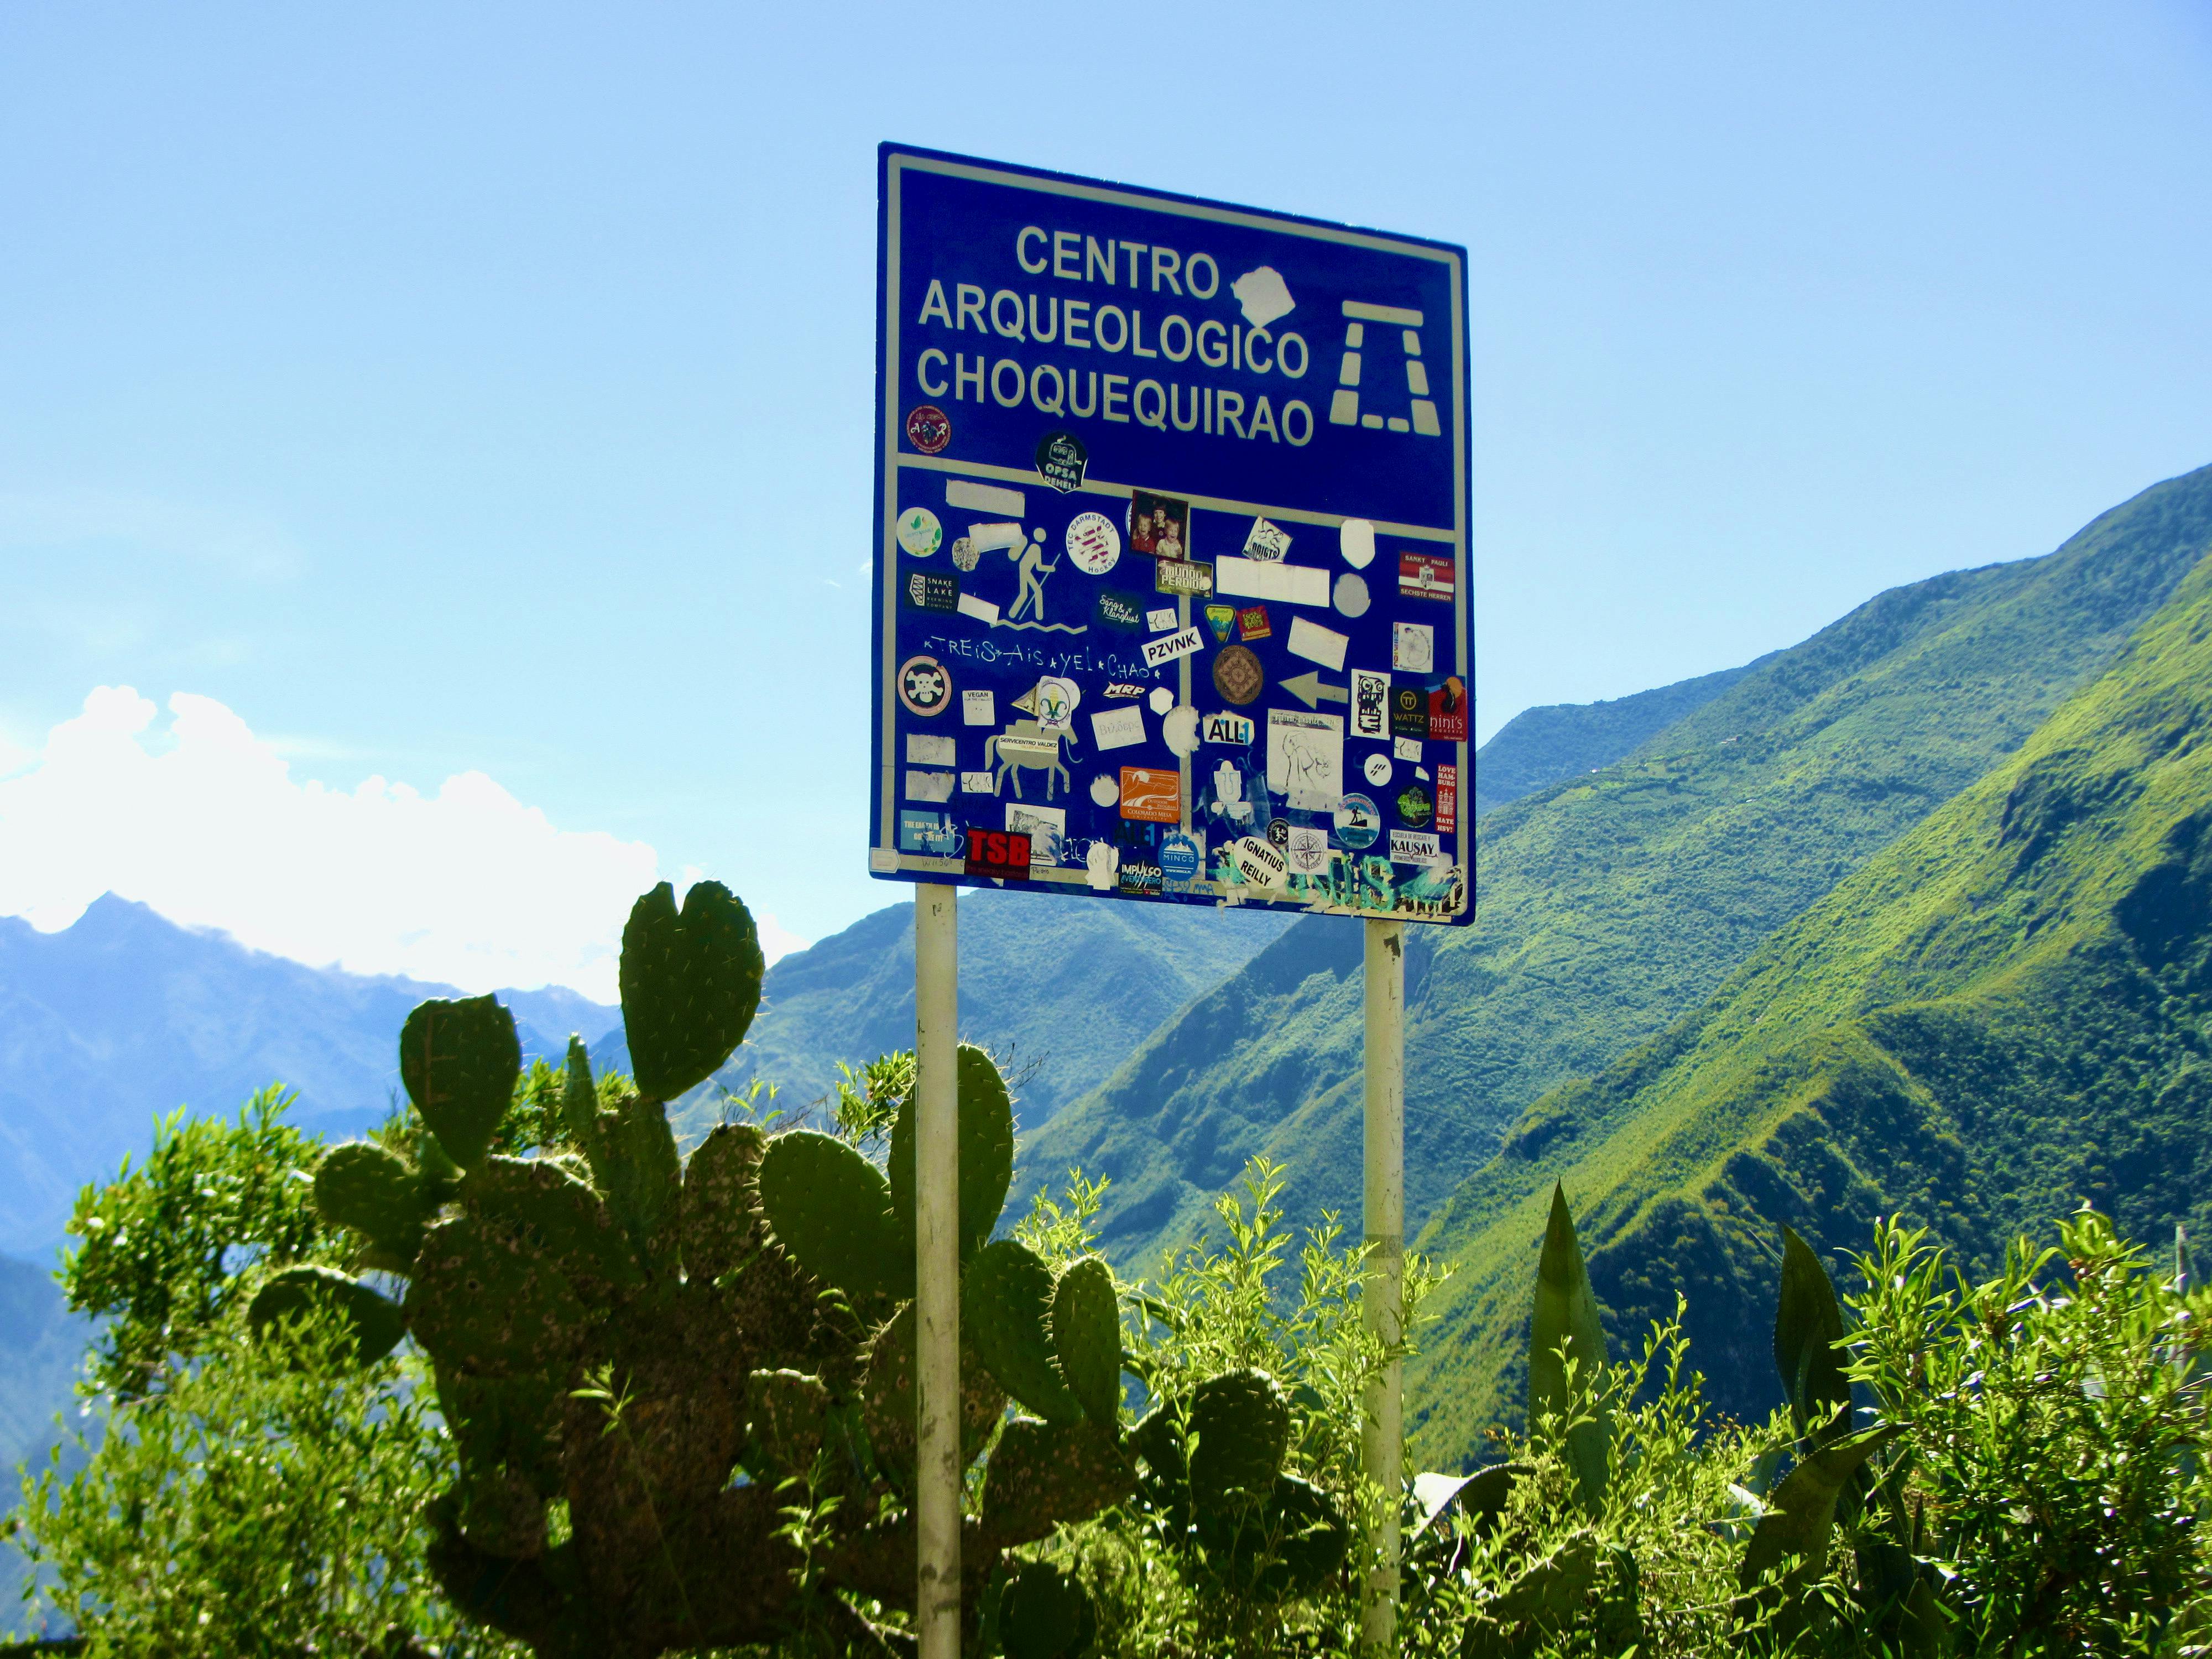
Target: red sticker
column 928, row 428
column 1423, row 576
column 1004, row 854
column 1447, row 799
column 1252, row 622
column 1448, row 711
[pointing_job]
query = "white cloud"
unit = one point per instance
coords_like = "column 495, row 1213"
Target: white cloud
column 204, row 824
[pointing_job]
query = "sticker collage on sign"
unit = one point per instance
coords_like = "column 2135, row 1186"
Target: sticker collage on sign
column 1170, row 659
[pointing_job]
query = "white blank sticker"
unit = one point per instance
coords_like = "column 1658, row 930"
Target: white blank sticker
column 1117, row 728
column 1256, row 579
column 991, row 537
column 1355, row 539
column 921, row 750
column 981, row 609
column 929, row 786
column 1314, row 643
column 985, row 498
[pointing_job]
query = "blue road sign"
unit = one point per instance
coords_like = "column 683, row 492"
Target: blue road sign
column 1171, row 548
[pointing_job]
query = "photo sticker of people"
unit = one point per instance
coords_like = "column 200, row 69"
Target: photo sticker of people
column 1160, row 525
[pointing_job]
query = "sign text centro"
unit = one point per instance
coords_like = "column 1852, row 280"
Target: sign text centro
column 1169, row 547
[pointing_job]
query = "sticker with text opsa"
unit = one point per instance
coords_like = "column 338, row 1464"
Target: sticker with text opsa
column 1060, row 460
column 1161, row 652
column 1002, row 853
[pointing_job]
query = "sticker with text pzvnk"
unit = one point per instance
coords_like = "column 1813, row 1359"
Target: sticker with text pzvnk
column 1171, row 538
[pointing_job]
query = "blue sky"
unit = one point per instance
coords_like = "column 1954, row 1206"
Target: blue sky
column 444, row 389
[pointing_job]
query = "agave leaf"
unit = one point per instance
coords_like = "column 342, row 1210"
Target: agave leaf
column 1808, row 1324
column 1565, row 1319
column 1800, row 1512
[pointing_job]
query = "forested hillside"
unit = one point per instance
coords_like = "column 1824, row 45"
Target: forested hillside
column 1612, row 904
column 2005, row 1014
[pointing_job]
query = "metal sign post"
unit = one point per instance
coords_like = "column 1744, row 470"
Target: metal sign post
column 1383, row 1300
column 1171, row 607
column 937, row 1268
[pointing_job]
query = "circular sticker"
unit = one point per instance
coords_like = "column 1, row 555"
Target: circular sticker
column 1351, row 597
column 1105, row 789
column 1179, row 730
column 1413, row 806
column 1278, row 832
column 924, row 686
column 1358, row 822
column 918, row 532
column 1377, row 768
column 1355, row 539
column 1237, row 675
column 1179, row 855
column 927, row 428
column 1093, row 543
column 964, row 554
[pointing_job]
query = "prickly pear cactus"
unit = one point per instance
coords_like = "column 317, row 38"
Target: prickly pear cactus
column 1215, row 1479
column 628, row 1331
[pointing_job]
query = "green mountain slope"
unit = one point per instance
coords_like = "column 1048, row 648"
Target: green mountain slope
column 2007, row 1011
column 1612, row 904
column 1060, row 987
column 1544, row 746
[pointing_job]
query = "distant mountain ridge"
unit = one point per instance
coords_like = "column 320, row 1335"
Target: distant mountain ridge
column 1556, row 741
column 124, row 1015
column 1611, row 903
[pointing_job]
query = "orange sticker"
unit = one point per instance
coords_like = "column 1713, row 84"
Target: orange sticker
column 1151, row 795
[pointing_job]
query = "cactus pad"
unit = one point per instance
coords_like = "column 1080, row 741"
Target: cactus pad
column 985, row 1135
column 1285, row 1544
column 790, row 1412
column 888, row 1407
column 558, row 1214
column 483, row 1301
column 831, row 1209
column 1005, row 1302
column 1086, row 1337
column 377, row 1326
column 459, row 1061
column 1046, row 1613
column 1044, row 1474
column 639, row 1172
column 501, row 1514
column 721, row 1227
column 690, row 983
column 1240, row 1422
column 363, row 1185
column 579, row 1099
